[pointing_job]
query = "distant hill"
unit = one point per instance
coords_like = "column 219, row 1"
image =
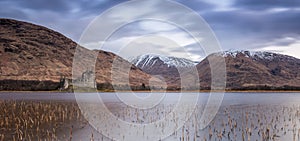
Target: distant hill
column 255, row 71
column 167, row 67
column 245, row 70
column 36, row 58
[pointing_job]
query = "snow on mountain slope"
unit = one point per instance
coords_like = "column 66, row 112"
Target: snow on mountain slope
column 254, row 70
column 152, row 59
column 254, row 55
column 168, row 68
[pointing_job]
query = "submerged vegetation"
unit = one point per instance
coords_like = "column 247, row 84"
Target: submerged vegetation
column 61, row 120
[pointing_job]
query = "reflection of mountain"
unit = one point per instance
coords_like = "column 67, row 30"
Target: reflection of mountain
column 36, row 58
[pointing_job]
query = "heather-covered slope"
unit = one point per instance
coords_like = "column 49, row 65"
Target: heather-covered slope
column 255, row 70
column 35, row 58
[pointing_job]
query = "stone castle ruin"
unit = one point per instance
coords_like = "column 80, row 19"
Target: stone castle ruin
column 87, row 80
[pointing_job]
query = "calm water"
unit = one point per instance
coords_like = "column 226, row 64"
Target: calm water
column 236, row 98
column 242, row 116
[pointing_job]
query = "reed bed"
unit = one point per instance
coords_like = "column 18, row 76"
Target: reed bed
column 33, row 120
column 248, row 123
column 232, row 123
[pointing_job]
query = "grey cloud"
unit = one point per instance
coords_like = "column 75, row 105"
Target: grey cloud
column 8, row 10
column 197, row 5
column 51, row 5
column 249, row 25
column 66, row 16
column 63, row 6
column 265, row 4
column 253, row 27
column 62, row 14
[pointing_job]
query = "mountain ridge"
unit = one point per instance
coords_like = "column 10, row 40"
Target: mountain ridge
column 256, row 71
column 166, row 67
column 37, row 58
column 169, row 60
column 34, row 57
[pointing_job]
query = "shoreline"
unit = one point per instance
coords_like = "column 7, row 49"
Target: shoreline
column 177, row 91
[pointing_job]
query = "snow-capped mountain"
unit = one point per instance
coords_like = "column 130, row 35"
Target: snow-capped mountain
column 245, row 70
column 256, row 55
column 164, row 66
column 254, row 70
column 152, row 59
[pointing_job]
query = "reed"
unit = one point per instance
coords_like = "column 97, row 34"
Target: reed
column 32, row 120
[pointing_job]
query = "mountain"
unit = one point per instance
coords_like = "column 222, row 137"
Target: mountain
column 150, row 60
column 166, row 67
column 245, row 70
column 254, row 70
column 36, row 58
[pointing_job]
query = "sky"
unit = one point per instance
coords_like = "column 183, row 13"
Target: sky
column 255, row 25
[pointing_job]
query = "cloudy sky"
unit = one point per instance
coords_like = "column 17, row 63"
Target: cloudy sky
column 257, row 25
